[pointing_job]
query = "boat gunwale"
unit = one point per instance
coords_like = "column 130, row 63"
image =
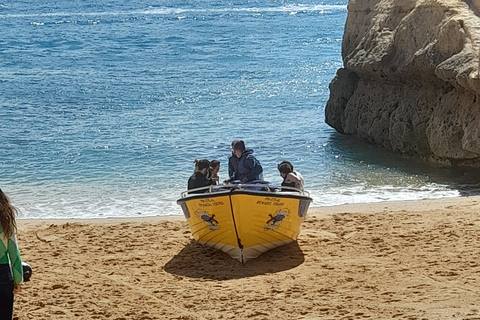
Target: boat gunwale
column 225, row 190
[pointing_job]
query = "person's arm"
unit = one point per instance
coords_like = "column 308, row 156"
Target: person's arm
column 254, row 166
column 231, row 168
column 210, row 182
column 15, row 259
column 197, row 181
column 292, row 180
column 200, row 181
column 191, row 183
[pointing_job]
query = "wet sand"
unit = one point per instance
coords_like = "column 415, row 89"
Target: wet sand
column 405, row 260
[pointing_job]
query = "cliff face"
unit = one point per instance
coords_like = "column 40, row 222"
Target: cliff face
column 411, row 81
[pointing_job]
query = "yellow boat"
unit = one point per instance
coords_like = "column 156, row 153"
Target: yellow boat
column 245, row 220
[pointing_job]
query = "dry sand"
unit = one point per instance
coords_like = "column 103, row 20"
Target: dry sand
column 408, row 260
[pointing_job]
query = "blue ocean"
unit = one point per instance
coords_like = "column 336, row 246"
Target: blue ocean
column 104, row 105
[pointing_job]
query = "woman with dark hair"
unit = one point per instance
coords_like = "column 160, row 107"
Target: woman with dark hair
column 291, row 178
column 212, row 173
column 11, row 270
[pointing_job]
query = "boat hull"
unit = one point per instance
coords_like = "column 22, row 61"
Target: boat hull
column 244, row 223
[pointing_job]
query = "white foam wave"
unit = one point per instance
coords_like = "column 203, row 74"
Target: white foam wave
column 87, row 202
column 179, row 11
column 362, row 194
column 94, row 201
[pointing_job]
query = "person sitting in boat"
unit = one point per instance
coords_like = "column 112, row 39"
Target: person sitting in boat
column 212, row 173
column 248, row 168
column 291, row 178
column 232, row 163
column 199, row 179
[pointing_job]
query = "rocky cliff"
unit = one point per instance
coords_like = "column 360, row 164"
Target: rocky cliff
column 411, row 81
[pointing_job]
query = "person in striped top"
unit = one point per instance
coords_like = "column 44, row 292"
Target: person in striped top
column 11, row 270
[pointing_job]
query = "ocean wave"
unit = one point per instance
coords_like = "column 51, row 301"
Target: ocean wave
column 96, row 200
column 177, row 11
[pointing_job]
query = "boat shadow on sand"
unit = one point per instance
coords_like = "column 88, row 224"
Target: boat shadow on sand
column 198, row 261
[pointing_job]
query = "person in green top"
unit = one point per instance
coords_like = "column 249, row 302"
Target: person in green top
column 11, row 270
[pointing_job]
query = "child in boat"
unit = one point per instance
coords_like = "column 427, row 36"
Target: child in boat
column 212, row 173
column 199, row 178
column 291, row 178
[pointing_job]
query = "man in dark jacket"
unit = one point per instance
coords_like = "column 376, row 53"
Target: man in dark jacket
column 248, row 167
column 199, row 178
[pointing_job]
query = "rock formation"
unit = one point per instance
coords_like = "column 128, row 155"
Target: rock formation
column 411, row 80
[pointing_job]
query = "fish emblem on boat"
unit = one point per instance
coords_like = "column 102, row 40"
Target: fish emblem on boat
column 276, row 219
column 209, row 220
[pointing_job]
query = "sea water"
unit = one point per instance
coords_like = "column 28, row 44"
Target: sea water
column 104, row 105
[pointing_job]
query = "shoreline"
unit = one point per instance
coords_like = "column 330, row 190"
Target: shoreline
column 369, row 207
column 402, row 260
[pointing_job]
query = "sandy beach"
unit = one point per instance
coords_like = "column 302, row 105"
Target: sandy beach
column 406, row 260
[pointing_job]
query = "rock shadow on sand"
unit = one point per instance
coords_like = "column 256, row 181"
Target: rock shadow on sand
column 199, row 261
